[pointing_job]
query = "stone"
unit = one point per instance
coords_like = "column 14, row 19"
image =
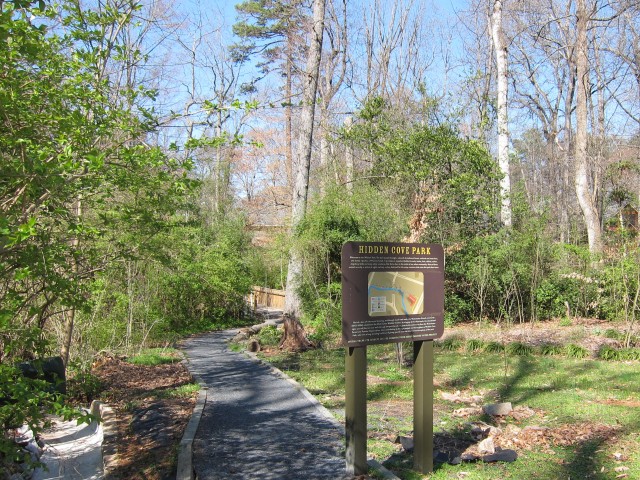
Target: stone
column 440, row 457
column 468, row 457
column 50, row 369
column 456, row 460
column 406, row 442
column 495, row 409
column 508, row 456
column 486, row 446
column 466, row 412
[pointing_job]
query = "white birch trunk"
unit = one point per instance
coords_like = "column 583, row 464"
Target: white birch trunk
column 583, row 188
column 503, row 126
column 303, row 161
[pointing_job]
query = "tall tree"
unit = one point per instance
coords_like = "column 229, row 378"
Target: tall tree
column 584, row 190
column 273, row 29
column 303, row 160
column 500, row 49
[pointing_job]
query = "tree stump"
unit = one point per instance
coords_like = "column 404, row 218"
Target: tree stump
column 294, row 338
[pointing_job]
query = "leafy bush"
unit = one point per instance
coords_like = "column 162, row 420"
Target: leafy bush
column 457, row 308
column 269, row 336
column 364, row 215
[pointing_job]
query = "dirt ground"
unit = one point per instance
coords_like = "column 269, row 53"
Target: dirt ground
column 150, row 421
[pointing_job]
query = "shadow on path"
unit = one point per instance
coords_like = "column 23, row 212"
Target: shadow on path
column 256, row 424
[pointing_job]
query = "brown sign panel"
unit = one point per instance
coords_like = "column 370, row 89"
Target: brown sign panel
column 391, row 292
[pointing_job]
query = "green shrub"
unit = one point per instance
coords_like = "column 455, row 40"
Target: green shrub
column 456, row 309
column 269, row 336
column 608, row 353
column 614, row 334
column 83, row 387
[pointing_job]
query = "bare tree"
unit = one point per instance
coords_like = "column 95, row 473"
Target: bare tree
column 303, row 163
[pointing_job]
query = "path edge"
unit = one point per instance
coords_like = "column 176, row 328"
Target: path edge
column 184, row 469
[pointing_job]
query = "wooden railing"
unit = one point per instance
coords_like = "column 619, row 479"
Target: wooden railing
column 267, row 297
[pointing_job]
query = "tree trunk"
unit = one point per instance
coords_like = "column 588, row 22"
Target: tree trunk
column 348, row 158
column 583, row 188
column 303, row 163
column 503, row 126
column 70, row 316
column 294, row 338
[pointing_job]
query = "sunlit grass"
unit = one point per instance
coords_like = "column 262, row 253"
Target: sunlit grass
column 563, row 391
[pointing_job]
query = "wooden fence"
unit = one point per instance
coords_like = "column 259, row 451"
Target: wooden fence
column 267, row 297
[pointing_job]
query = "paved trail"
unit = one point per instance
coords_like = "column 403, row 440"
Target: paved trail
column 256, row 425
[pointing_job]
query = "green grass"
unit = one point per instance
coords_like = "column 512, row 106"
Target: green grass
column 157, row 356
column 566, row 391
column 183, row 391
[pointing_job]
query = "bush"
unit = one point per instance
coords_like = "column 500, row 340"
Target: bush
column 269, row 336
column 457, row 309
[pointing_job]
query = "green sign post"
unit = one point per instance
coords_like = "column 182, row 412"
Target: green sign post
column 391, row 292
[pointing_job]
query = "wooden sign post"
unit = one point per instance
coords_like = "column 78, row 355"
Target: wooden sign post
column 391, row 292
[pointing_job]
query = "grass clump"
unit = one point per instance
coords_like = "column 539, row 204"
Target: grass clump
column 520, row 349
column 183, row 391
column 624, row 354
column 156, row 356
column 474, row 345
column 576, row 351
column 452, row 343
column 551, row 349
column 494, row 347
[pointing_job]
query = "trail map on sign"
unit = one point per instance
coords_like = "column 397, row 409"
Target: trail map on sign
column 395, row 293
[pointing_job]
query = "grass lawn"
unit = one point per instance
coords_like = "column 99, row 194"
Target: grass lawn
column 585, row 412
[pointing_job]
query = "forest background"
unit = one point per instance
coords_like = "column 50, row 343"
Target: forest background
column 158, row 158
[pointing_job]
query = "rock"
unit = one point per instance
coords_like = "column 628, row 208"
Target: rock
column 501, row 456
column 521, row 412
column 456, row 460
column 498, row 408
column 468, row 457
column 466, row 412
column 440, row 457
column 451, row 397
column 254, row 346
column 486, row 446
column 406, row 442
column 50, row 369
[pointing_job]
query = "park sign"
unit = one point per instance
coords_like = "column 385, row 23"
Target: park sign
column 391, row 292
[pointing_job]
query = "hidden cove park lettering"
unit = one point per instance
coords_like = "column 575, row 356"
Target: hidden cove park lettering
column 393, row 250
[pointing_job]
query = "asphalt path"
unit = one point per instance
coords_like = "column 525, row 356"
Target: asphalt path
column 256, row 424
